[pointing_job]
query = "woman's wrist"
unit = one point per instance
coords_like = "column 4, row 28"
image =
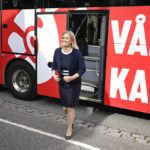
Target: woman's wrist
column 75, row 76
column 53, row 73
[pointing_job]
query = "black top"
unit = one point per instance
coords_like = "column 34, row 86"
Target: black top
column 76, row 62
column 65, row 65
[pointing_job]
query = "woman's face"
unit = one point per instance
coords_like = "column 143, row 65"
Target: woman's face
column 66, row 41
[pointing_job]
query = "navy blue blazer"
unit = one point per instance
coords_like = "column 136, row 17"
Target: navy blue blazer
column 76, row 62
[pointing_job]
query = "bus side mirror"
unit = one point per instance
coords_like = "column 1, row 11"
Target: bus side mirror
column 49, row 64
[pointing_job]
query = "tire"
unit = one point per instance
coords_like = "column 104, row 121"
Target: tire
column 21, row 80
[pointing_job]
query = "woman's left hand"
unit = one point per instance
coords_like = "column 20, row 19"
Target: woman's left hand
column 68, row 78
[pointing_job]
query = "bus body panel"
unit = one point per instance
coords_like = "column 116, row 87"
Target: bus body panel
column 127, row 69
column 18, row 35
column 17, row 38
column 132, row 66
column 7, row 58
column 127, row 79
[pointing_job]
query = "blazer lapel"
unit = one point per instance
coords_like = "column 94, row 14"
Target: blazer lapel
column 60, row 60
column 71, row 62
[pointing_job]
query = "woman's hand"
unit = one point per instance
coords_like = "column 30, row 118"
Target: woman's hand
column 56, row 78
column 68, row 78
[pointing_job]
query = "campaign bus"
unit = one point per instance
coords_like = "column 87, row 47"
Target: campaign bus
column 113, row 36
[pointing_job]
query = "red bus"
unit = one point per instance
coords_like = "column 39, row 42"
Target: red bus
column 113, row 36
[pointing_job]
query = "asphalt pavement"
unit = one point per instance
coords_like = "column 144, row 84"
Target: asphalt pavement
column 41, row 125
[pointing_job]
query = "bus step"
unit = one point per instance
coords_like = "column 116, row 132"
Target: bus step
column 90, row 99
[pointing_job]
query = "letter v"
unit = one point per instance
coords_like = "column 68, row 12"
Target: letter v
column 120, row 39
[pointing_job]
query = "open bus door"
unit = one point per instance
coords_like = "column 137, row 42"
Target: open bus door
column 90, row 28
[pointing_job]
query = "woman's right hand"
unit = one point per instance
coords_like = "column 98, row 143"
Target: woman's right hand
column 56, row 78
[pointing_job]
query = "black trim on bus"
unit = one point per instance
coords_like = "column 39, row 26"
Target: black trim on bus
column 4, row 52
column 90, row 3
column 59, row 12
column 25, row 4
column 35, row 41
column 30, row 4
column 105, row 55
column 1, row 27
column 97, row 11
column 1, row 4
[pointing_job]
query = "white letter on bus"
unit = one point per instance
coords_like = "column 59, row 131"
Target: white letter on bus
column 120, row 39
column 139, row 34
column 117, row 83
column 139, row 81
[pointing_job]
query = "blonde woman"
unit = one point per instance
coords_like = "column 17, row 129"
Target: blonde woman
column 69, row 63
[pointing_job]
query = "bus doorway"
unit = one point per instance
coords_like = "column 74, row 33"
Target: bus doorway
column 90, row 28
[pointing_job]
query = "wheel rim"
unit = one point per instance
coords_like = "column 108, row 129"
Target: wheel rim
column 21, row 81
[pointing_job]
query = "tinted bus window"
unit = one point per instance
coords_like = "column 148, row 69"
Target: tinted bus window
column 56, row 3
column 138, row 2
column 89, row 3
column 44, row 3
column 18, row 4
column 78, row 3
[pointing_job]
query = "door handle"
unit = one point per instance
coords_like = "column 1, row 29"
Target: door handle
column 5, row 26
column 97, row 65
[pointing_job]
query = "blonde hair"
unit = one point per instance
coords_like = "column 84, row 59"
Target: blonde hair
column 72, row 37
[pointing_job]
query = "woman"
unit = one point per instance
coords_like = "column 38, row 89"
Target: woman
column 69, row 63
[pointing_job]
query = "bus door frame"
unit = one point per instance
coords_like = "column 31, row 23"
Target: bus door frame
column 49, row 63
column 48, row 13
column 102, row 65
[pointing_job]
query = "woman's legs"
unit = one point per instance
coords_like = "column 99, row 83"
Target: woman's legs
column 65, row 110
column 70, row 118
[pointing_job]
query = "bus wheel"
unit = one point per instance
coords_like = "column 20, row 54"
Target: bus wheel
column 21, row 80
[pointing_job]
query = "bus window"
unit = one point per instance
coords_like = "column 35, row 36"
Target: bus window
column 7, row 4
column 43, row 3
column 15, row 3
column 26, row 4
column 115, row 2
column 57, row 3
column 89, row 3
column 78, row 3
column 138, row 3
column 18, row 4
column 86, row 28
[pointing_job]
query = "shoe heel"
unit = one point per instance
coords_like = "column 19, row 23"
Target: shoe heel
column 68, row 137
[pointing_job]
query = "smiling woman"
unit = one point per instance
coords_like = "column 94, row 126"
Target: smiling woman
column 69, row 63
